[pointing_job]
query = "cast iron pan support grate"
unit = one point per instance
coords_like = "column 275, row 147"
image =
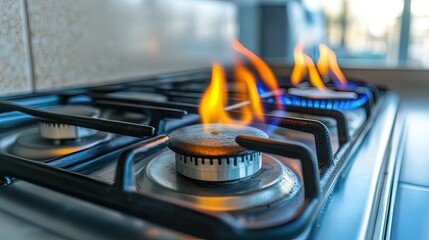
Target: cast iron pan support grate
column 157, row 114
column 340, row 118
column 324, row 152
column 123, row 197
column 104, row 125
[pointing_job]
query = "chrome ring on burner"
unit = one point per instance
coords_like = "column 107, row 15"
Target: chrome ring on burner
column 274, row 181
column 219, row 168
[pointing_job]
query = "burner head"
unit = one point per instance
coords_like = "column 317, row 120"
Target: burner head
column 314, row 93
column 209, row 152
column 327, row 99
column 59, row 131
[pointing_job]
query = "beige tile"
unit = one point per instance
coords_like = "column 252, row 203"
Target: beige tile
column 80, row 42
column 13, row 77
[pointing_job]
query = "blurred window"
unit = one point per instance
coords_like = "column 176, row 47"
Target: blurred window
column 418, row 51
column 366, row 31
column 362, row 33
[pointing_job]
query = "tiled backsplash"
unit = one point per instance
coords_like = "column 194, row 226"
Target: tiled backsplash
column 13, row 62
column 78, row 42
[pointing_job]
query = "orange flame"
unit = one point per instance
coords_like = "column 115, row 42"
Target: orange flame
column 300, row 68
column 328, row 61
column 303, row 66
column 214, row 99
column 213, row 102
column 326, row 64
column 263, row 69
column 254, row 109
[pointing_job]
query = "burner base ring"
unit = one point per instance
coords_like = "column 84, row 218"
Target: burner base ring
column 273, row 182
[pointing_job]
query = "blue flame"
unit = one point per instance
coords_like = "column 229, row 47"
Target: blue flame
column 337, row 104
column 261, row 89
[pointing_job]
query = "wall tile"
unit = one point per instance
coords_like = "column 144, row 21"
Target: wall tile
column 13, row 77
column 79, row 42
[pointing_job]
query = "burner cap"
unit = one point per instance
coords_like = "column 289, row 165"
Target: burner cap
column 59, row 131
column 209, row 152
column 314, row 93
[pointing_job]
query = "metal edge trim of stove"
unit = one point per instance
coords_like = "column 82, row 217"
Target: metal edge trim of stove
column 387, row 199
column 391, row 199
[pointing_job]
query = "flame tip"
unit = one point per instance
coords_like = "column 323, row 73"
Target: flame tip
column 326, row 66
column 214, row 99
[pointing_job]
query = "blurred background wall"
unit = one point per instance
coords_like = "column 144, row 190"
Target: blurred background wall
column 50, row 44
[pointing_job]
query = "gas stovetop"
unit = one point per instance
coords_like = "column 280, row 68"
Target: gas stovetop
column 134, row 160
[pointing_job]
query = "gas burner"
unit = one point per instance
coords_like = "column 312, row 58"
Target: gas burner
column 209, row 152
column 327, row 99
column 210, row 171
column 54, row 140
column 59, row 131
